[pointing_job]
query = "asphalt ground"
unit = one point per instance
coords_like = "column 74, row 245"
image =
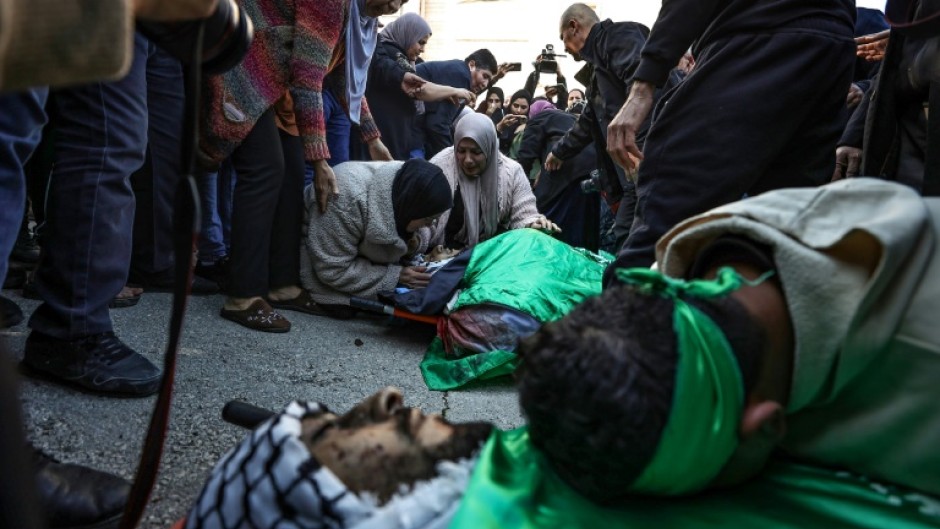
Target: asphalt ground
column 334, row 362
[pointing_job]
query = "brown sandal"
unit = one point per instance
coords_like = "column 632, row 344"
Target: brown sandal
column 259, row 316
column 305, row 303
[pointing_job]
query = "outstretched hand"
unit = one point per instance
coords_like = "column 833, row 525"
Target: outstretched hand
column 542, row 223
column 872, row 47
column 412, row 84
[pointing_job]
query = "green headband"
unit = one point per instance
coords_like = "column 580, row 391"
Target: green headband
column 701, row 433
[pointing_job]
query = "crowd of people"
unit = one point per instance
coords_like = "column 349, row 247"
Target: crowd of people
column 333, row 157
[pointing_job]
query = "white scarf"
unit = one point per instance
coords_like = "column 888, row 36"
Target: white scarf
column 480, row 194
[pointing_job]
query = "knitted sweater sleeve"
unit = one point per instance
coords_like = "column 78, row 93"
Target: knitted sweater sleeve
column 516, row 193
column 318, row 30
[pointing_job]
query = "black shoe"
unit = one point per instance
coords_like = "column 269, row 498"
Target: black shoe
column 10, row 313
column 26, row 248
column 16, row 278
column 101, row 363
column 216, row 272
column 77, row 497
column 29, row 288
column 164, row 281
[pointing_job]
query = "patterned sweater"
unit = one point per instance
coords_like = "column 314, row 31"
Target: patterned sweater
column 297, row 43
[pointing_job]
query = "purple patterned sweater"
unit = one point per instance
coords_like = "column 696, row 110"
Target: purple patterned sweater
column 297, row 43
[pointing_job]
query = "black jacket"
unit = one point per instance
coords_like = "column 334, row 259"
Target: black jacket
column 540, row 135
column 439, row 116
column 612, row 51
column 392, row 109
column 682, row 23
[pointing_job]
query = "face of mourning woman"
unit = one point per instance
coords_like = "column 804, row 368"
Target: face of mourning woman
column 519, row 107
column 471, row 157
column 417, row 48
column 377, row 8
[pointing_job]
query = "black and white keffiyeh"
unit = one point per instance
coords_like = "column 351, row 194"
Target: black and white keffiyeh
column 271, row 480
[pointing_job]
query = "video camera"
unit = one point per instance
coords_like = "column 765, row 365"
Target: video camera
column 546, row 62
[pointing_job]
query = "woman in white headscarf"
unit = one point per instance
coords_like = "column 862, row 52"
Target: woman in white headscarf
column 491, row 191
column 394, row 109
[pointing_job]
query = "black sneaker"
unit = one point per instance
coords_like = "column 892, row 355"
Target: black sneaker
column 10, row 313
column 74, row 496
column 164, row 281
column 216, row 272
column 101, row 363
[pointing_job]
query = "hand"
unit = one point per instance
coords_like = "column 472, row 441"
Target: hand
column 411, row 84
column 621, row 133
column 462, row 93
column 324, row 182
column 551, row 92
column 508, row 120
column 414, row 276
column 412, row 245
column 378, row 151
column 872, row 47
column 542, row 223
column 848, row 162
column 501, row 72
column 174, row 10
column 855, row 96
column 552, row 162
column 492, row 108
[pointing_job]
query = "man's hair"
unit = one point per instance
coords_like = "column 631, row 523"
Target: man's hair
column 580, row 12
column 484, row 59
column 597, row 385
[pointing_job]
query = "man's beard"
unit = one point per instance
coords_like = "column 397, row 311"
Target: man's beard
column 467, row 439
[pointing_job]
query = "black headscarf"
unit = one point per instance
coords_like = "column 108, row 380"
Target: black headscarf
column 521, row 94
column 420, row 190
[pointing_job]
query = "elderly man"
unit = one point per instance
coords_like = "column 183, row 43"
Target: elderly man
column 759, row 111
column 798, row 320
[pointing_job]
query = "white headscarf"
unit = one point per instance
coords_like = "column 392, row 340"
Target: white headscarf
column 480, row 194
column 270, row 480
column 361, row 38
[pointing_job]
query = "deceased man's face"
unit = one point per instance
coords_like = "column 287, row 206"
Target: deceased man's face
column 380, row 445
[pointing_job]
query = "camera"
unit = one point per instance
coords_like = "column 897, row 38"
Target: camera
column 592, row 184
column 225, row 40
column 547, row 62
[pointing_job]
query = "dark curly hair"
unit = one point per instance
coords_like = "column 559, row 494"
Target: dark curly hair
column 596, row 386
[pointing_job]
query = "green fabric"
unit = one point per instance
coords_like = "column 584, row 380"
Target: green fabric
column 511, row 488
column 702, row 431
column 524, row 270
column 442, row 373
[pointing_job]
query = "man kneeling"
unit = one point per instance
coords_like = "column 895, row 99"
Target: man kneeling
column 800, row 320
column 380, row 465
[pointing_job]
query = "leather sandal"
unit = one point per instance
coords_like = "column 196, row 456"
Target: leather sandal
column 304, row 303
column 259, row 316
column 127, row 297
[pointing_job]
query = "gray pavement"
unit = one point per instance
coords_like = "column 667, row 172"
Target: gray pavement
column 317, row 360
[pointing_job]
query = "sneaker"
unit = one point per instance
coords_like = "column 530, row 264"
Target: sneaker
column 216, row 271
column 26, row 248
column 73, row 496
column 10, row 313
column 101, row 363
column 164, row 281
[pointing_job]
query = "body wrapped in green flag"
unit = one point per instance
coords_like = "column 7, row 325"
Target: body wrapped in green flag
column 513, row 488
column 514, row 283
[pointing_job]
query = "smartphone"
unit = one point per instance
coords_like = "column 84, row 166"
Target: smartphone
column 515, row 67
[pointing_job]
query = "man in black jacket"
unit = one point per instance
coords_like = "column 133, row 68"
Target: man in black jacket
column 760, row 110
column 612, row 51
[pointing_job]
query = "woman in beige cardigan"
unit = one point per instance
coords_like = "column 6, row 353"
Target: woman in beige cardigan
column 491, row 191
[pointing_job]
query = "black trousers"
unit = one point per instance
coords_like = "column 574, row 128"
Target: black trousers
column 267, row 210
column 758, row 112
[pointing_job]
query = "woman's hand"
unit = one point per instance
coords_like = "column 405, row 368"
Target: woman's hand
column 414, row 276
column 412, row 85
column 324, row 181
column 378, row 151
column 510, row 120
column 542, row 223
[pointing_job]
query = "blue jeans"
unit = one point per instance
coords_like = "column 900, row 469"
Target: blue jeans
column 337, row 129
column 101, row 139
column 215, row 194
column 22, row 117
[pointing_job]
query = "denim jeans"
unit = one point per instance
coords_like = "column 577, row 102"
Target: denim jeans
column 22, row 117
column 101, row 139
column 215, row 195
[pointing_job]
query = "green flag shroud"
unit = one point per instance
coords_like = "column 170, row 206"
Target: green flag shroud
column 522, row 270
column 512, row 488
